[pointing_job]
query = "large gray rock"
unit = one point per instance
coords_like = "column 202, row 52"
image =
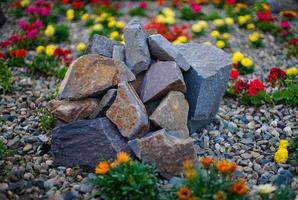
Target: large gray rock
column 91, row 75
column 86, row 142
column 104, row 104
column 128, row 112
column 137, row 53
column 163, row 50
column 161, row 78
column 171, row 114
column 165, row 152
column 102, row 45
column 206, row 81
column 119, row 53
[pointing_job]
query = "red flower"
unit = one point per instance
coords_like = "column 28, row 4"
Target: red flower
column 234, row 74
column 240, row 86
column 20, row 53
column 1, row 55
column 293, row 41
column 275, row 74
column 160, row 2
column 265, row 16
column 195, row 7
column 78, row 4
column 143, row 5
column 65, row 1
column 285, row 25
column 230, row 2
column 255, row 86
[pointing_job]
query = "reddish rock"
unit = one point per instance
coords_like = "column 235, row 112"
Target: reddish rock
column 69, row 111
column 164, row 151
column 161, row 78
column 128, row 112
column 91, row 75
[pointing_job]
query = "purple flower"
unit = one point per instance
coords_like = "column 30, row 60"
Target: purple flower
column 22, row 24
column 31, row 10
column 44, row 11
column 37, row 24
column 31, row 34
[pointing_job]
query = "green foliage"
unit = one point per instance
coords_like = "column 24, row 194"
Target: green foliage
column 257, row 44
column 287, row 95
column 5, row 77
column 16, row 62
column 293, row 51
column 3, row 150
column 137, row 12
column 46, row 119
column 245, row 70
column 129, row 181
column 293, row 149
column 283, row 193
column 257, row 100
column 61, row 33
column 214, row 15
column 188, row 14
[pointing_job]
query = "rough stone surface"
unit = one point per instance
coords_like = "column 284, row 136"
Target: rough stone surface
column 165, row 152
column 119, row 53
column 206, row 81
column 128, row 112
column 105, row 103
column 102, row 45
column 69, row 111
column 137, row 53
column 163, row 50
column 161, row 78
column 91, row 75
column 86, row 142
column 171, row 114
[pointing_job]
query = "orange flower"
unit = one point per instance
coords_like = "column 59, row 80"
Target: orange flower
column 187, row 165
column 206, row 161
column 102, row 167
column 184, row 193
column 122, row 157
column 216, row 1
column 239, row 188
column 190, row 174
column 225, row 166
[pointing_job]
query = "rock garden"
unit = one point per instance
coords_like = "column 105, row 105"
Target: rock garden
column 117, row 100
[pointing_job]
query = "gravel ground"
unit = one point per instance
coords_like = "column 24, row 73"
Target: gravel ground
column 246, row 135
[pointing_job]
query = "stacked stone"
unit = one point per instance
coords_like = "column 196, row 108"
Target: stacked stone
column 145, row 97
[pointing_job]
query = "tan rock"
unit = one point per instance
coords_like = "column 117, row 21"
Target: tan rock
column 164, row 151
column 128, row 112
column 91, row 75
column 70, row 111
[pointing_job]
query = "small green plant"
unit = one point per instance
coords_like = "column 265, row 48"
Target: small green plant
column 61, row 33
column 125, row 179
column 284, row 193
column 259, row 99
column 293, row 149
column 5, row 77
column 288, row 95
column 3, row 150
column 46, row 119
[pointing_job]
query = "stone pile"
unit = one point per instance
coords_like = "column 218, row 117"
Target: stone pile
column 144, row 97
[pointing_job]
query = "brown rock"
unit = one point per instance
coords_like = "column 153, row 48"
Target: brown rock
column 69, row 111
column 161, row 78
column 128, row 112
column 171, row 114
column 91, row 75
column 164, row 151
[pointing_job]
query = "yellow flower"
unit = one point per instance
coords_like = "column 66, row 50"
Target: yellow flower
column 283, row 144
column 226, row 36
column 70, row 13
column 215, row 34
column 122, row 157
column 170, row 20
column 190, row 174
column 81, row 47
column 103, row 16
column 97, row 27
column 196, row 28
column 265, row 188
column 39, row 49
column 102, row 168
column 220, row 44
column 281, row 155
column 85, row 17
column 292, row 71
column 229, row 21
column 250, row 26
column 218, row 22
column 168, row 12
column 50, row 31
column 237, row 57
column 114, row 35
column 247, row 17
column 204, row 24
column 246, row 62
column 242, row 20
column 220, row 195
column 112, row 24
column 50, row 49
column 255, row 36
column 161, row 19
column 111, row 18
column 182, row 39
column 120, row 24
column 25, row 3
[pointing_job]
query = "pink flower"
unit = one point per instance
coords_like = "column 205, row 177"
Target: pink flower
column 15, row 38
column 31, row 10
column 37, row 24
column 32, row 34
column 44, row 11
column 143, row 5
column 285, row 25
column 129, row 4
column 195, row 7
column 22, row 24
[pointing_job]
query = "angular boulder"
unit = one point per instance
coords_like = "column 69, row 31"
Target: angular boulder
column 137, row 53
column 69, row 111
column 102, row 45
column 163, row 50
column 206, row 81
column 161, row 78
column 128, row 112
column 106, row 101
column 165, row 152
column 86, row 142
column 119, row 53
column 172, row 113
column 91, row 75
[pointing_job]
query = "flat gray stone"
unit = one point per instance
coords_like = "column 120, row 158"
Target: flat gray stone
column 163, row 50
column 206, row 81
column 86, row 142
column 128, row 112
column 161, row 78
column 172, row 113
column 165, row 152
column 137, row 53
column 102, row 45
column 119, row 53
